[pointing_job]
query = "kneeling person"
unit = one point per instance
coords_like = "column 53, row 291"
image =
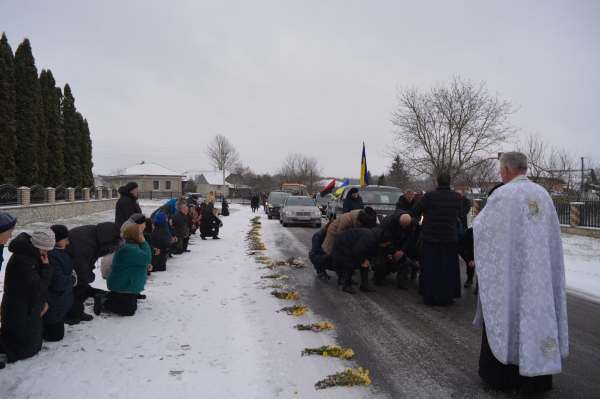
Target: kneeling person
column 210, row 224
column 180, row 228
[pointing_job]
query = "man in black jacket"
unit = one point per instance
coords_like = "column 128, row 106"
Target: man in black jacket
column 127, row 205
column 210, row 224
column 464, row 212
column 407, row 201
column 180, row 228
column 439, row 280
column 400, row 225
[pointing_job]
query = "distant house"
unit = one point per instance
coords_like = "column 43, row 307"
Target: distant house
column 154, row 181
column 208, row 181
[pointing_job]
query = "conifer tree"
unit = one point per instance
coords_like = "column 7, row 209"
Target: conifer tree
column 72, row 139
column 8, row 104
column 87, row 177
column 29, row 117
column 51, row 98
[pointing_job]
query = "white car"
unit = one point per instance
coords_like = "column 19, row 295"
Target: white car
column 301, row 210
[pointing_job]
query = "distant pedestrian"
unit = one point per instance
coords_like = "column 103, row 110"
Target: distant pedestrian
column 127, row 204
column 224, row 207
column 353, row 201
column 439, row 280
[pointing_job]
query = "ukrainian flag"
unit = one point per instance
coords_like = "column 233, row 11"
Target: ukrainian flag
column 339, row 190
column 364, row 173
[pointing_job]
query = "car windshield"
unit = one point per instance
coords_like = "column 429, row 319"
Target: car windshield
column 380, row 197
column 324, row 200
column 300, row 202
column 277, row 198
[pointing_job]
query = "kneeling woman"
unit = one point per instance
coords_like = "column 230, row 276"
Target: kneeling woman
column 127, row 276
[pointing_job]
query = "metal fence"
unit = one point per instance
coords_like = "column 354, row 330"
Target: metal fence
column 8, row 194
column 156, row 194
column 563, row 210
column 60, row 194
column 590, row 214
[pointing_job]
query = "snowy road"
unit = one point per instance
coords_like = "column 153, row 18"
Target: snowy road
column 210, row 329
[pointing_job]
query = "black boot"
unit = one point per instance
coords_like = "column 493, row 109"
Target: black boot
column 324, row 275
column 476, row 289
column 85, row 316
column 348, row 283
column 364, row 281
column 469, row 282
column 98, row 302
column 340, row 275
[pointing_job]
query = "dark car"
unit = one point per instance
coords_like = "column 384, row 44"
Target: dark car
column 322, row 202
column 381, row 198
column 276, row 200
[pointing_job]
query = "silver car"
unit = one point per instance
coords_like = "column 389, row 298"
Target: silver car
column 298, row 209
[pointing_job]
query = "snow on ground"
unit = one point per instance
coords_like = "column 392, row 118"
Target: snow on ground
column 208, row 328
column 582, row 265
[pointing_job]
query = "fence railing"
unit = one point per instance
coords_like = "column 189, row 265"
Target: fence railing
column 563, row 210
column 36, row 194
column 590, row 214
column 8, row 194
column 158, row 194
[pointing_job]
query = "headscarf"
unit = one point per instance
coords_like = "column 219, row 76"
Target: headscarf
column 171, row 203
column 132, row 234
column 161, row 218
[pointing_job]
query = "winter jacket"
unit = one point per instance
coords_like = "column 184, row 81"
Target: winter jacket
column 317, row 256
column 224, row 208
column 148, row 238
column 180, row 225
column 161, row 238
column 464, row 212
column 129, row 268
column 88, row 243
column 343, row 222
column 440, row 209
column 465, row 245
column 1, row 257
column 404, row 204
column 190, row 201
column 25, row 294
column 210, row 197
column 61, row 286
column 171, row 203
column 254, row 201
column 402, row 237
column 351, row 203
column 166, row 208
column 352, row 247
column 126, row 206
column 208, row 223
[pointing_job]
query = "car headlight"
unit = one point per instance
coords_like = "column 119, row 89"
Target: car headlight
column 270, row 206
column 289, row 212
column 317, row 212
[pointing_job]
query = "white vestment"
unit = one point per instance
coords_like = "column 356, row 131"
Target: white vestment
column 521, row 275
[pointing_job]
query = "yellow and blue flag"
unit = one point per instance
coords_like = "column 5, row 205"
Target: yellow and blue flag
column 341, row 188
column 364, row 173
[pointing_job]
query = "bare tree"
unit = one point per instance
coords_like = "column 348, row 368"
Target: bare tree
column 222, row 154
column 446, row 128
column 300, row 168
column 480, row 175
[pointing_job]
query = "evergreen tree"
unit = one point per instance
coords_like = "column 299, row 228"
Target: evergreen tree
column 398, row 173
column 29, row 117
column 87, row 177
column 70, row 127
column 381, row 180
column 8, row 105
column 51, row 98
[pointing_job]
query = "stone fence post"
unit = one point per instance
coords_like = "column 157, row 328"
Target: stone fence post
column 70, row 194
column 476, row 207
column 50, row 195
column 109, row 193
column 86, row 194
column 98, row 193
column 24, row 196
column 575, row 212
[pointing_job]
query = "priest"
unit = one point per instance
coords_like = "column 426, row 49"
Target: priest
column 522, row 302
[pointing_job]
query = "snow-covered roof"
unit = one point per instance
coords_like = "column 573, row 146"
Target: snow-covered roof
column 149, row 169
column 192, row 174
column 214, row 177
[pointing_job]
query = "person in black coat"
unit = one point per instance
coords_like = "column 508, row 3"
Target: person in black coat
column 224, row 207
column 318, row 257
column 439, row 280
column 464, row 212
column 353, row 248
column 406, row 201
column 401, row 227
column 210, row 225
column 161, row 242
column 465, row 250
column 353, row 201
column 26, row 299
column 63, row 309
column 254, row 200
column 180, row 228
column 7, row 226
column 127, row 205
column 87, row 244
column 166, row 208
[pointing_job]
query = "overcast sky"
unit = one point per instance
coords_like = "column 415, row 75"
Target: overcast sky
column 156, row 80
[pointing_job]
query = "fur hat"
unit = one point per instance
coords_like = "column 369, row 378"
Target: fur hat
column 131, row 186
column 60, row 232
column 7, row 221
column 43, row 239
column 353, row 190
column 370, row 211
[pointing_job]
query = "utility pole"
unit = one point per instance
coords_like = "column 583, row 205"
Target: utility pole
column 582, row 181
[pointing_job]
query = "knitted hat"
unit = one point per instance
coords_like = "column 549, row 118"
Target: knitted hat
column 131, row 186
column 43, row 239
column 7, row 221
column 60, row 232
column 353, row 190
column 364, row 219
column 370, row 211
column 138, row 218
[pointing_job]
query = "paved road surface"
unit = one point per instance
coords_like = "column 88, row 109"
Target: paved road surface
column 416, row 350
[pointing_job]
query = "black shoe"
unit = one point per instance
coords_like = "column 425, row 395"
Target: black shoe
column 378, row 282
column 468, row 283
column 348, row 289
column 72, row 321
column 175, row 253
column 353, row 282
column 204, row 238
column 186, row 250
column 325, row 276
column 98, row 302
column 476, row 292
column 2, row 365
column 365, row 287
column 403, row 286
column 141, row 296
column 216, row 238
column 87, row 317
